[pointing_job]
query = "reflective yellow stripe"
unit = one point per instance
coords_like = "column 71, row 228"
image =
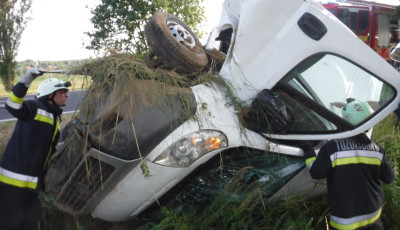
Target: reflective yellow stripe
column 43, row 119
column 356, row 157
column 18, row 180
column 17, row 183
column 15, row 99
column 356, row 153
column 13, row 104
column 310, row 160
column 373, row 217
column 356, row 160
column 44, row 116
column 54, row 136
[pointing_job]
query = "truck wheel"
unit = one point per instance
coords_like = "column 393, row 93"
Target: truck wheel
column 174, row 43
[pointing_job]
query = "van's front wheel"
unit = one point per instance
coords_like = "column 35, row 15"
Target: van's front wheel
column 174, row 44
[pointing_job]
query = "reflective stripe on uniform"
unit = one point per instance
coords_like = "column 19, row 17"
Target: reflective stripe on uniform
column 310, row 161
column 54, row 136
column 44, row 116
column 356, row 157
column 14, row 101
column 18, row 180
column 354, row 222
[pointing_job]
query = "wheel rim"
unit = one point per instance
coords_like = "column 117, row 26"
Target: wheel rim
column 181, row 34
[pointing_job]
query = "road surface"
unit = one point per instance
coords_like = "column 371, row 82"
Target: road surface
column 74, row 97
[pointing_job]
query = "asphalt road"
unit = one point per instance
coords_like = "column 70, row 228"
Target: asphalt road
column 74, row 97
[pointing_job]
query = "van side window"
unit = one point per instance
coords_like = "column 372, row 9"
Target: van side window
column 318, row 88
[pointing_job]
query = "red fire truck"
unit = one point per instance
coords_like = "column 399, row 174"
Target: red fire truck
column 370, row 21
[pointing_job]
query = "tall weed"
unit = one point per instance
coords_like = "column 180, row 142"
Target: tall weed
column 387, row 134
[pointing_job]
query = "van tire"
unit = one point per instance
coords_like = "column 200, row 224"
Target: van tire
column 184, row 54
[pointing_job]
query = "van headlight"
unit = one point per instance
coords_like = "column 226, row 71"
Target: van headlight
column 191, row 147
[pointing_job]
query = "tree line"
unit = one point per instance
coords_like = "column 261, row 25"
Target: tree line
column 22, row 66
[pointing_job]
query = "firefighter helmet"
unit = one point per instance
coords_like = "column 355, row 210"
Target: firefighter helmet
column 51, row 85
column 356, row 111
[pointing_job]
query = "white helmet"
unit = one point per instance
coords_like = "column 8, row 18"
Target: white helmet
column 51, row 85
column 356, row 111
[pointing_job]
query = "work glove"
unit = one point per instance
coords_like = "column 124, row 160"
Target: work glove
column 308, row 149
column 308, row 153
column 29, row 76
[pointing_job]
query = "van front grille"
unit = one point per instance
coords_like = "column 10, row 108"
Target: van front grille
column 87, row 180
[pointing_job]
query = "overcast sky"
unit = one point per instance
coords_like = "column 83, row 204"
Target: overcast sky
column 56, row 31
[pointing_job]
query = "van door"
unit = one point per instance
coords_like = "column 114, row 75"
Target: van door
column 317, row 91
column 313, row 65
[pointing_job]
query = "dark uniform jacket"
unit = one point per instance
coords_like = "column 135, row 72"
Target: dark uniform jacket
column 354, row 168
column 33, row 140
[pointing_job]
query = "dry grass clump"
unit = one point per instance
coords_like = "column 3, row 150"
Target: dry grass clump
column 118, row 64
column 123, row 77
column 123, row 74
column 118, row 85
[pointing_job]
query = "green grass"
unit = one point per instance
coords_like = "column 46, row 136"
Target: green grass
column 387, row 134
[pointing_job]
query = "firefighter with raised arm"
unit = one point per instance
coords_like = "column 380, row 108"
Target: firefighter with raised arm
column 354, row 167
column 33, row 141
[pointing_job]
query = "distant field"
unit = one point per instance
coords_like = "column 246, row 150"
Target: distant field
column 78, row 82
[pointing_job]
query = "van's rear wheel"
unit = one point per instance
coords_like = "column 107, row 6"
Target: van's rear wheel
column 174, row 44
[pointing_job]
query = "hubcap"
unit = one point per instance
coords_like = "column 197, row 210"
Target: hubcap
column 181, row 34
